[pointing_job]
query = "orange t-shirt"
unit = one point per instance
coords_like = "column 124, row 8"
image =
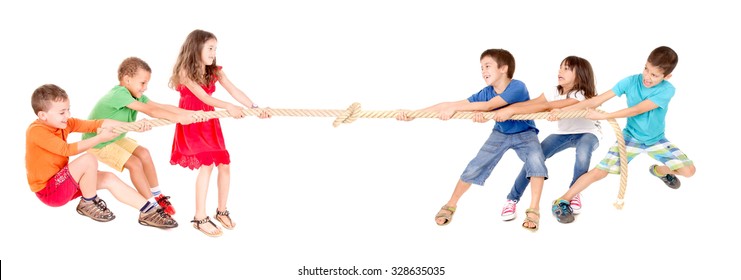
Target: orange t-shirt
column 47, row 150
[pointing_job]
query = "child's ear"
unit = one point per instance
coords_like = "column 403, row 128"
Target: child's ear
column 667, row 77
column 41, row 115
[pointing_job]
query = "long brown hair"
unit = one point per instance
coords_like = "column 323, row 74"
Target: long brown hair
column 584, row 80
column 189, row 60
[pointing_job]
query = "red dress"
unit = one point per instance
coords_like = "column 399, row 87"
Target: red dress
column 199, row 143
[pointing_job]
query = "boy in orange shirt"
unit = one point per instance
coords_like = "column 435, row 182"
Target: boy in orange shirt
column 56, row 180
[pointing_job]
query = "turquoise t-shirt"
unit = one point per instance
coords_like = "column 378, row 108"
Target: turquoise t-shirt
column 648, row 127
column 113, row 106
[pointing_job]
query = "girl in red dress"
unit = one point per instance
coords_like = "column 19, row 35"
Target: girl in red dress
column 201, row 145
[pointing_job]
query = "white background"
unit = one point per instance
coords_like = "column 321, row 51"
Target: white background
column 364, row 194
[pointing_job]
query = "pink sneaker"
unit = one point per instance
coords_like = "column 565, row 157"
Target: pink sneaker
column 576, row 204
column 509, row 210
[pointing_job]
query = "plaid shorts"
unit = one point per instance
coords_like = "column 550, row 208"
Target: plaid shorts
column 116, row 154
column 663, row 151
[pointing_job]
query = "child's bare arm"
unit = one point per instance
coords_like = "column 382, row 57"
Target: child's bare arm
column 593, row 102
column 104, row 134
column 640, row 108
column 160, row 111
column 235, row 92
column 233, row 110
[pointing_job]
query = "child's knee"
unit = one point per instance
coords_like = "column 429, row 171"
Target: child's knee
column 106, row 179
column 598, row 174
column 223, row 168
column 687, row 171
column 143, row 154
column 134, row 163
column 88, row 161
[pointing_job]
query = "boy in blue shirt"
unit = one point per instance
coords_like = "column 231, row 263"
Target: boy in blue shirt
column 497, row 68
column 648, row 95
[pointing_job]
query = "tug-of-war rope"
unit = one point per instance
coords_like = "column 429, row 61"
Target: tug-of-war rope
column 353, row 113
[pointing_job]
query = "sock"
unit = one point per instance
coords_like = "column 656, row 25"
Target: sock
column 89, row 199
column 147, row 206
column 155, row 191
column 656, row 172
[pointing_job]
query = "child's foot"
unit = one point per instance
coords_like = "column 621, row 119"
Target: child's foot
column 576, row 204
column 206, row 226
column 156, row 217
column 562, row 211
column 95, row 209
column 532, row 219
column 164, row 202
column 509, row 211
column 224, row 219
column 669, row 179
column 445, row 215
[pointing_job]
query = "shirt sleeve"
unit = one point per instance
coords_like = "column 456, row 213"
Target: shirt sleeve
column 662, row 97
column 515, row 92
column 622, row 86
column 144, row 99
column 119, row 99
column 480, row 96
column 78, row 125
column 46, row 140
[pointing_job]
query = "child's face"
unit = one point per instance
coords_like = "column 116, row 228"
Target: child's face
column 208, row 53
column 490, row 71
column 653, row 75
column 566, row 76
column 137, row 84
column 57, row 114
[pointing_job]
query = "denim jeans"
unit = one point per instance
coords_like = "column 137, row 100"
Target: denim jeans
column 525, row 145
column 585, row 144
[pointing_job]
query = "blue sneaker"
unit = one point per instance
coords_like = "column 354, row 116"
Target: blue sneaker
column 562, row 211
column 669, row 179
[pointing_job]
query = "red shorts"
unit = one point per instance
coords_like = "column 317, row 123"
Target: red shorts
column 60, row 189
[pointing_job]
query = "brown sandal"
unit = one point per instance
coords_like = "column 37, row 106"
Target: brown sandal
column 220, row 216
column 197, row 225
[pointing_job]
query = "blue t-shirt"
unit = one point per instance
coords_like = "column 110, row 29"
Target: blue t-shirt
column 516, row 91
column 649, row 126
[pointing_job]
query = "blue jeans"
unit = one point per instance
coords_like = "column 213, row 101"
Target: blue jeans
column 585, row 144
column 524, row 143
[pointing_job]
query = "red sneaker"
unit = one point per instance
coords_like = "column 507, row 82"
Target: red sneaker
column 164, row 202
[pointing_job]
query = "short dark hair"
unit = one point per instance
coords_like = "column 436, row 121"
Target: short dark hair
column 501, row 57
column 129, row 66
column 43, row 96
column 665, row 58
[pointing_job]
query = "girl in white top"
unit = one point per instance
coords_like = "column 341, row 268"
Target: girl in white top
column 575, row 83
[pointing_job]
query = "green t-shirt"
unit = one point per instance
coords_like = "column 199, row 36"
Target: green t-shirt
column 113, row 106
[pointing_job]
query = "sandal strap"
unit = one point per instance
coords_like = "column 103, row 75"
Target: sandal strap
column 448, row 208
column 534, row 211
column 203, row 221
column 219, row 213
